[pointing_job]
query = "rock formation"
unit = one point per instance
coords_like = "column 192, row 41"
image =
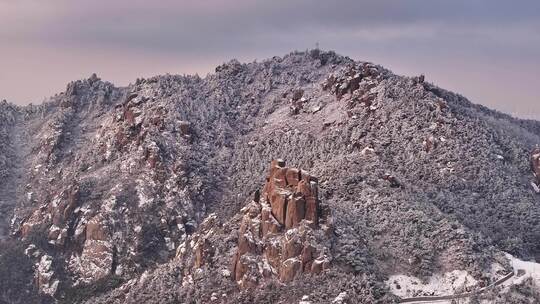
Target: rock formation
column 355, row 83
column 535, row 164
column 284, row 232
column 535, row 167
column 96, row 226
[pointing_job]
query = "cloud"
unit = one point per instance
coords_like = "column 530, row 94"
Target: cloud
column 186, row 25
column 431, row 36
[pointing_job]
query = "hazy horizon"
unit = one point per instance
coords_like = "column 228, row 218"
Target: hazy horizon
column 485, row 50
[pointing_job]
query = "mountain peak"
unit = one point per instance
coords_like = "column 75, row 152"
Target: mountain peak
column 148, row 189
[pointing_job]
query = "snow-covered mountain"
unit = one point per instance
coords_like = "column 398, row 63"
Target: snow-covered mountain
column 151, row 193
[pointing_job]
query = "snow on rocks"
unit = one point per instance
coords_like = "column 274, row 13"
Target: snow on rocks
column 279, row 235
column 94, row 263
column 45, row 276
column 305, row 300
column 535, row 165
column 341, row 298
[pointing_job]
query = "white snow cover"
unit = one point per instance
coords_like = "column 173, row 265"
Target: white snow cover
column 531, row 269
column 439, row 284
column 144, row 199
column 45, row 274
column 452, row 282
column 94, row 262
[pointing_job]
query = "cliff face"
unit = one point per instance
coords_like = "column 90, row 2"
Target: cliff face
column 284, row 231
column 160, row 178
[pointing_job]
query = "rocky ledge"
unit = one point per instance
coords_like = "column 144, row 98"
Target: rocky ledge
column 284, row 231
column 535, row 167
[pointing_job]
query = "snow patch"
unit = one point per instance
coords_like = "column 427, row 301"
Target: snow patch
column 439, row 284
column 523, row 270
column 144, row 200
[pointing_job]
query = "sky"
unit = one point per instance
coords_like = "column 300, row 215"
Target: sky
column 486, row 50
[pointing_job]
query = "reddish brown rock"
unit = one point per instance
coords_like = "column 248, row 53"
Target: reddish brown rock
column 354, row 83
column 296, row 211
column 29, row 225
column 279, row 178
column 246, row 243
column 71, row 201
column 278, row 202
column 319, row 265
column 269, row 224
column 307, row 178
column 96, row 260
column 290, row 269
column 272, row 252
column 291, row 248
column 62, row 209
column 253, row 210
column 292, row 194
column 185, row 128
column 129, row 116
column 202, row 252
column 234, row 263
column 240, row 268
column 430, row 143
column 311, row 209
column 303, row 187
column 121, row 139
column 152, row 157
column 535, row 164
column 245, row 270
column 292, row 176
column 96, row 230
column 274, row 165
column 307, row 255
column 281, row 233
column 199, row 259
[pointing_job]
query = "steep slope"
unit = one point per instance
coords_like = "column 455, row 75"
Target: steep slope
column 11, row 158
column 417, row 180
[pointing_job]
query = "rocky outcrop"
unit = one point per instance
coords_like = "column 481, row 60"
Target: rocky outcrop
column 291, row 195
column 355, row 84
column 198, row 253
column 535, row 167
column 45, row 279
column 535, row 164
column 105, row 189
column 284, row 232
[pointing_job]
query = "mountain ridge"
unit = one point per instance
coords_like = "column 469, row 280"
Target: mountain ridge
column 419, row 180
